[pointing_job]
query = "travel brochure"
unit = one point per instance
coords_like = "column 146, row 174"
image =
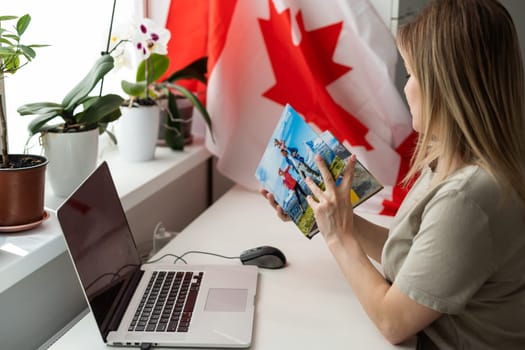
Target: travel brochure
column 289, row 159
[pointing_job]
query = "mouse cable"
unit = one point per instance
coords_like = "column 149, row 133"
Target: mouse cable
column 114, row 275
column 181, row 257
column 206, row 253
column 146, row 346
column 165, row 255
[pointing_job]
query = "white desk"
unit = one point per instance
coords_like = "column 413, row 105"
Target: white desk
column 306, row 305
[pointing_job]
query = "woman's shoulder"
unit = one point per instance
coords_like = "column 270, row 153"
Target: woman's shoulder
column 473, row 186
column 474, row 183
column 469, row 192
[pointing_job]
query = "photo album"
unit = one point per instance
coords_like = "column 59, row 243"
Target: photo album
column 289, row 159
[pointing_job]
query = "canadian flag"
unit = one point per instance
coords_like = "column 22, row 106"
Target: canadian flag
column 333, row 61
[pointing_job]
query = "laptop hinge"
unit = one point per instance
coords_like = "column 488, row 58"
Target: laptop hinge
column 122, row 300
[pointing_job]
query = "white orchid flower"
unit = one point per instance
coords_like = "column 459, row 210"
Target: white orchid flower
column 151, row 38
column 122, row 56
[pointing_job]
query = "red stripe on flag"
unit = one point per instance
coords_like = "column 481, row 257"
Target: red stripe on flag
column 405, row 151
column 187, row 21
column 190, row 23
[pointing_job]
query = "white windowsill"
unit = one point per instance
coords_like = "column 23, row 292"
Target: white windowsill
column 25, row 252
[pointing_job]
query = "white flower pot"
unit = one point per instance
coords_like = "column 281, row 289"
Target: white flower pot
column 72, row 157
column 137, row 130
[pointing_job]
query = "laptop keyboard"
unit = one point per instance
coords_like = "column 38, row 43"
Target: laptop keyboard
column 168, row 302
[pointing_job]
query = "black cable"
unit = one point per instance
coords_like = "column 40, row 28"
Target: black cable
column 206, row 253
column 165, row 255
column 114, row 274
column 177, row 258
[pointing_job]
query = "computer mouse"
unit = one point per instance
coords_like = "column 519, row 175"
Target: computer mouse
column 267, row 257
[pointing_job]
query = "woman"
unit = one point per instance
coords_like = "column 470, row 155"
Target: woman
column 454, row 258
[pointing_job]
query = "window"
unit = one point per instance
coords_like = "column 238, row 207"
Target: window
column 77, row 32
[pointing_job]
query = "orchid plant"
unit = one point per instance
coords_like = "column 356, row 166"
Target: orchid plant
column 150, row 44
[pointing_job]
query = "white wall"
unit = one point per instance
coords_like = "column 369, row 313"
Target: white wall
column 395, row 12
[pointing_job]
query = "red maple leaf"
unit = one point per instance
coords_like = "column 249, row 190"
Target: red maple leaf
column 302, row 73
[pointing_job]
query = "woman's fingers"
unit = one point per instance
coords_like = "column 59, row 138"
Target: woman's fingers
column 348, row 173
column 325, row 172
column 316, row 191
column 331, row 190
column 271, row 199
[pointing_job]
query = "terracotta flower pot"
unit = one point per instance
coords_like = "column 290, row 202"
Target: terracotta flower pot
column 22, row 192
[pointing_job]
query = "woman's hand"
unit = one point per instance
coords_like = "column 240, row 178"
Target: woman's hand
column 280, row 212
column 333, row 206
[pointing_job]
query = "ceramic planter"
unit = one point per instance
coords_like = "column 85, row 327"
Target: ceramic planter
column 22, row 194
column 137, row 130
column 72, row 157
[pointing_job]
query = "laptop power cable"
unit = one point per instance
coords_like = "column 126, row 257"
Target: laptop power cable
column 146, row 346
column 161, row 237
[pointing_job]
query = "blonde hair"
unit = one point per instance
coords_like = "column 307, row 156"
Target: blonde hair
column 466, row 57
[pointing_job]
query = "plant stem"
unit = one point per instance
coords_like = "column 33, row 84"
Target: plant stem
column 108, row 41
column 147, row 78
column 3, row 136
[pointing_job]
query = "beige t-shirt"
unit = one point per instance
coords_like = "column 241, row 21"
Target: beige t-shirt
column 459, row 248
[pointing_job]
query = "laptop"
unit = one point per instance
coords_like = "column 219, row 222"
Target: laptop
column 163, row 304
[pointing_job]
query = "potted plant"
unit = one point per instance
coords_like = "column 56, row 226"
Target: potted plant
column 22, row 176
column 151, row 42
column 71, row 144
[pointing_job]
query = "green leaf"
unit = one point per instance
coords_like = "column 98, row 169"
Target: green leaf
column 38, row 45
column 11, row 64
column 29, row 53
column 111, row 117
column 7, row 18
column 111, row 135
column 101, row 108
column 101, row 67
column 196, row 102
column 22, row 24
column 134, row 89
column 173, row 132
column 12, row 37
column 37, row 125
column 187, row 74
column 157, row 66
column 6, row 49
column 40, row 108
column 195, row 70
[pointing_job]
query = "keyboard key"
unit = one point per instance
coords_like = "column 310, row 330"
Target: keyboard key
column 169, row 298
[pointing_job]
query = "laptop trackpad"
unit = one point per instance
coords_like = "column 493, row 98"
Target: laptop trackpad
column 226, row 299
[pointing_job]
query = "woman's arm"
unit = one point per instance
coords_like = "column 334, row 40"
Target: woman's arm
column 396, row 315
column 371, row 237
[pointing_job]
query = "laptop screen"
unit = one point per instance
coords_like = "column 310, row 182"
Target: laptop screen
column 99, row 241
